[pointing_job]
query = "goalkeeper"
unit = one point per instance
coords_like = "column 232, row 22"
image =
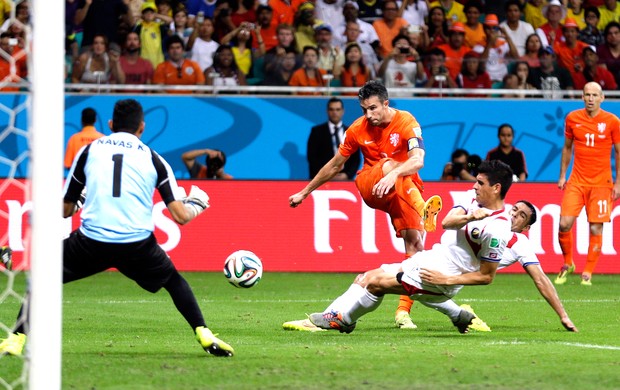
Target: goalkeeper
column 121, row 174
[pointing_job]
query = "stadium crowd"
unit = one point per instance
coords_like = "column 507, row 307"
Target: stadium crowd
column 512, row 44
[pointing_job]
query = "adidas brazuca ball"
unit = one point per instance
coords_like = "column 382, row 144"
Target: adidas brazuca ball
column 243, row 269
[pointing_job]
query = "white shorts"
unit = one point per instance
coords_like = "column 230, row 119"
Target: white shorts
column 428, row 292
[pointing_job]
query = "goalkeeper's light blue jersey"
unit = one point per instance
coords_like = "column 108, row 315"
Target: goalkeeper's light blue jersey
column 120, row 174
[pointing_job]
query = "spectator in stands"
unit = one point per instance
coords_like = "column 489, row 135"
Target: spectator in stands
column 20, row 27
column 305, row 21
column 575, row 11
column 97, row 65
column 286, row 39
column 397, row 71
column 329, row 12
column 5, row 11
column 417, row 37
column 497, row 50
column 436, row 71
column 369, row 11
column 472, row 74
column 264, row 36
column 568, row 53
column 240, row 42
column 355, row 73
column 102, row 18
column 180, row 25
column 610, row 12
column 280, row 75
column 8, row 72
column 225, row 71
column 609, row 52
column 533, row 13
column 511, row 81
column 242, row 11
column 284, row 10
column 388, row 27
column 507, row 153
column 222, row 20
column 331, row 58
column 414, row 12
column 532, row 48
column 474, row 32
column 522, row 71
column 437, row 27
column 152, row 34
column 178, row 70
column 199, row 8
column 356, row 30
column 453, row 9
column 548, row 76
column 457, row 168
column 84, row 137
column 201, row 43
column 309, row 75
column 591, row 33
column 215, row 160
column 551, row 32
column 593, row 72
column 455, row 49
column 137, row 70
column 518, row 30
column 324, row 140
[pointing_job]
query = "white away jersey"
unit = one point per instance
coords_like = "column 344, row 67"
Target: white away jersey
column 477, row 241
column 519, row 250
column 121, row 174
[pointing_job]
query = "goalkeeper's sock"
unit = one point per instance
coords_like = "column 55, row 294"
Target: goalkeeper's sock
column 594, row 253
column 566, row 243
column 184, row 300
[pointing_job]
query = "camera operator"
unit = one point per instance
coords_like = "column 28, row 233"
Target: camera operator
column 461, row 166
column 215, row 161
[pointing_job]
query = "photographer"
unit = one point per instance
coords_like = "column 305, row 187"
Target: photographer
column 462, row 166
column 215, row 161
column 438, row 75
column 497, row 50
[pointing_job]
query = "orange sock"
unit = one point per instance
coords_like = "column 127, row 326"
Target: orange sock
column 566, row 243
column 594, row 252
column 404, row 304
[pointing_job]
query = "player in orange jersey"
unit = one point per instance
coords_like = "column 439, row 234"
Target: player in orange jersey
column 590, row 133
column 87, row 135
column 391, row 142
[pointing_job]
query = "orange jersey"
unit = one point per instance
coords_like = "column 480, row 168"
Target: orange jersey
column 78, row 140
column 567, row 58
column 454, row 58
column 593, row 139
column 189, row 73
column 394, row 141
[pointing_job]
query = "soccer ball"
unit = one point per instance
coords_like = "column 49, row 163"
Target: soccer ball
column 243, row 269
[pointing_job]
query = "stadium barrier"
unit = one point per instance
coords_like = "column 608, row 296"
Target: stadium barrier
column 331, row 231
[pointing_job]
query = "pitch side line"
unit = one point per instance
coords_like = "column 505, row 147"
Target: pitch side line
column 567, row 344
column 469, row 300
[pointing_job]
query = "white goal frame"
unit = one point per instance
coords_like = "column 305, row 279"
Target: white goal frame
column 46, row 116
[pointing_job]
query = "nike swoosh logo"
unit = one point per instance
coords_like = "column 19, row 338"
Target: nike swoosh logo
column 368, row 142
column 409, row 191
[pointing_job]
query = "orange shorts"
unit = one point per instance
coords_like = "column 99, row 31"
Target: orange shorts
column 404, row 203
column 597, row 201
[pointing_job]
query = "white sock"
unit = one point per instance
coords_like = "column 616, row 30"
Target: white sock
column 366, row 303
column 449, row 308
column 354, row 303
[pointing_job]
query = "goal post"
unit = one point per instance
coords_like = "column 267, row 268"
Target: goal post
column 46, row 69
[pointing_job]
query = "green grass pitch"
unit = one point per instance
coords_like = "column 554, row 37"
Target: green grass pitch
column 117, row 336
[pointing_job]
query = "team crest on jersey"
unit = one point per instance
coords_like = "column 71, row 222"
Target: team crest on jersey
column 394, row 139
column 475, row 233
column 602, row 127
column 494, row 243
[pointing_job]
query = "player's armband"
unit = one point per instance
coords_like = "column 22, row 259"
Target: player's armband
column 415, row 143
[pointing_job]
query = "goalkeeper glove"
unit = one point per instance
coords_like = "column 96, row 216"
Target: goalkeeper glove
column 197, row 201
column 7, row 257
